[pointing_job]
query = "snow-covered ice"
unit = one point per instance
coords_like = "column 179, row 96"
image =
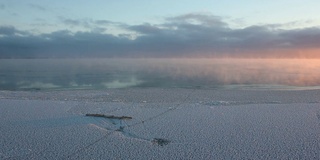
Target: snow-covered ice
column 165, row 124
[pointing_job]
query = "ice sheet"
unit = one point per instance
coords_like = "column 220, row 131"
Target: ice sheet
column 197, row 124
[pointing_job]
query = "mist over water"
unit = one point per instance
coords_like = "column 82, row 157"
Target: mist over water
column 42, row 74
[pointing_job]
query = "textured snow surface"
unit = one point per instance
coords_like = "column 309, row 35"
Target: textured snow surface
column 165, row 124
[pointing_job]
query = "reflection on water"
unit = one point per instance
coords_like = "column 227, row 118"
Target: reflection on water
column 20, row 74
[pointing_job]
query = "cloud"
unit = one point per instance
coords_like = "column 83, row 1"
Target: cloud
column 303, row 38
column 37, row 7
column 189, row 35
column 201, row 19
column 7, row 30
column 11, row 31
column 76, row 22
column 87, row 23
column 2, row 7
column 95, row 26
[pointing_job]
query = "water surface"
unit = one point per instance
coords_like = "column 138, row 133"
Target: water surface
column 44, row 74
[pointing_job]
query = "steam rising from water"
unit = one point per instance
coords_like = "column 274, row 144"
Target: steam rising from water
column 122, row 73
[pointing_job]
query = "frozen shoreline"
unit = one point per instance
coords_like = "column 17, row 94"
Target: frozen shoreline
column 197, row 123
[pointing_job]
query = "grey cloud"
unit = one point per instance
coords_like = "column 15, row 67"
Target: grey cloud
column 204, row 36
column 306, row 38
column 62, row 44
column 145, row 28
column 102, row 22
column 11, row 31
column 74, row 22
column 97, row 26
column 201, row 19
column 98, row 30
column 2, row 6
column 71, row 22
column 87, row 23
column 37, row 7
column 291, row 24
column 7, row 30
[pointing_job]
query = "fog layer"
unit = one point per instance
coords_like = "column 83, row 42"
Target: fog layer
column 122, row 73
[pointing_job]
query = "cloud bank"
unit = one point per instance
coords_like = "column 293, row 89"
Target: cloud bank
column 189, row 35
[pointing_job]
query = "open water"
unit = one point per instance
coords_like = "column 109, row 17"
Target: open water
column 65, row 74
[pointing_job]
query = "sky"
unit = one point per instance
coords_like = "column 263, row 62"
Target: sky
column 141, row 28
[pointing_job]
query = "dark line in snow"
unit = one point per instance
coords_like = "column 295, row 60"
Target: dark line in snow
column 130, row 135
